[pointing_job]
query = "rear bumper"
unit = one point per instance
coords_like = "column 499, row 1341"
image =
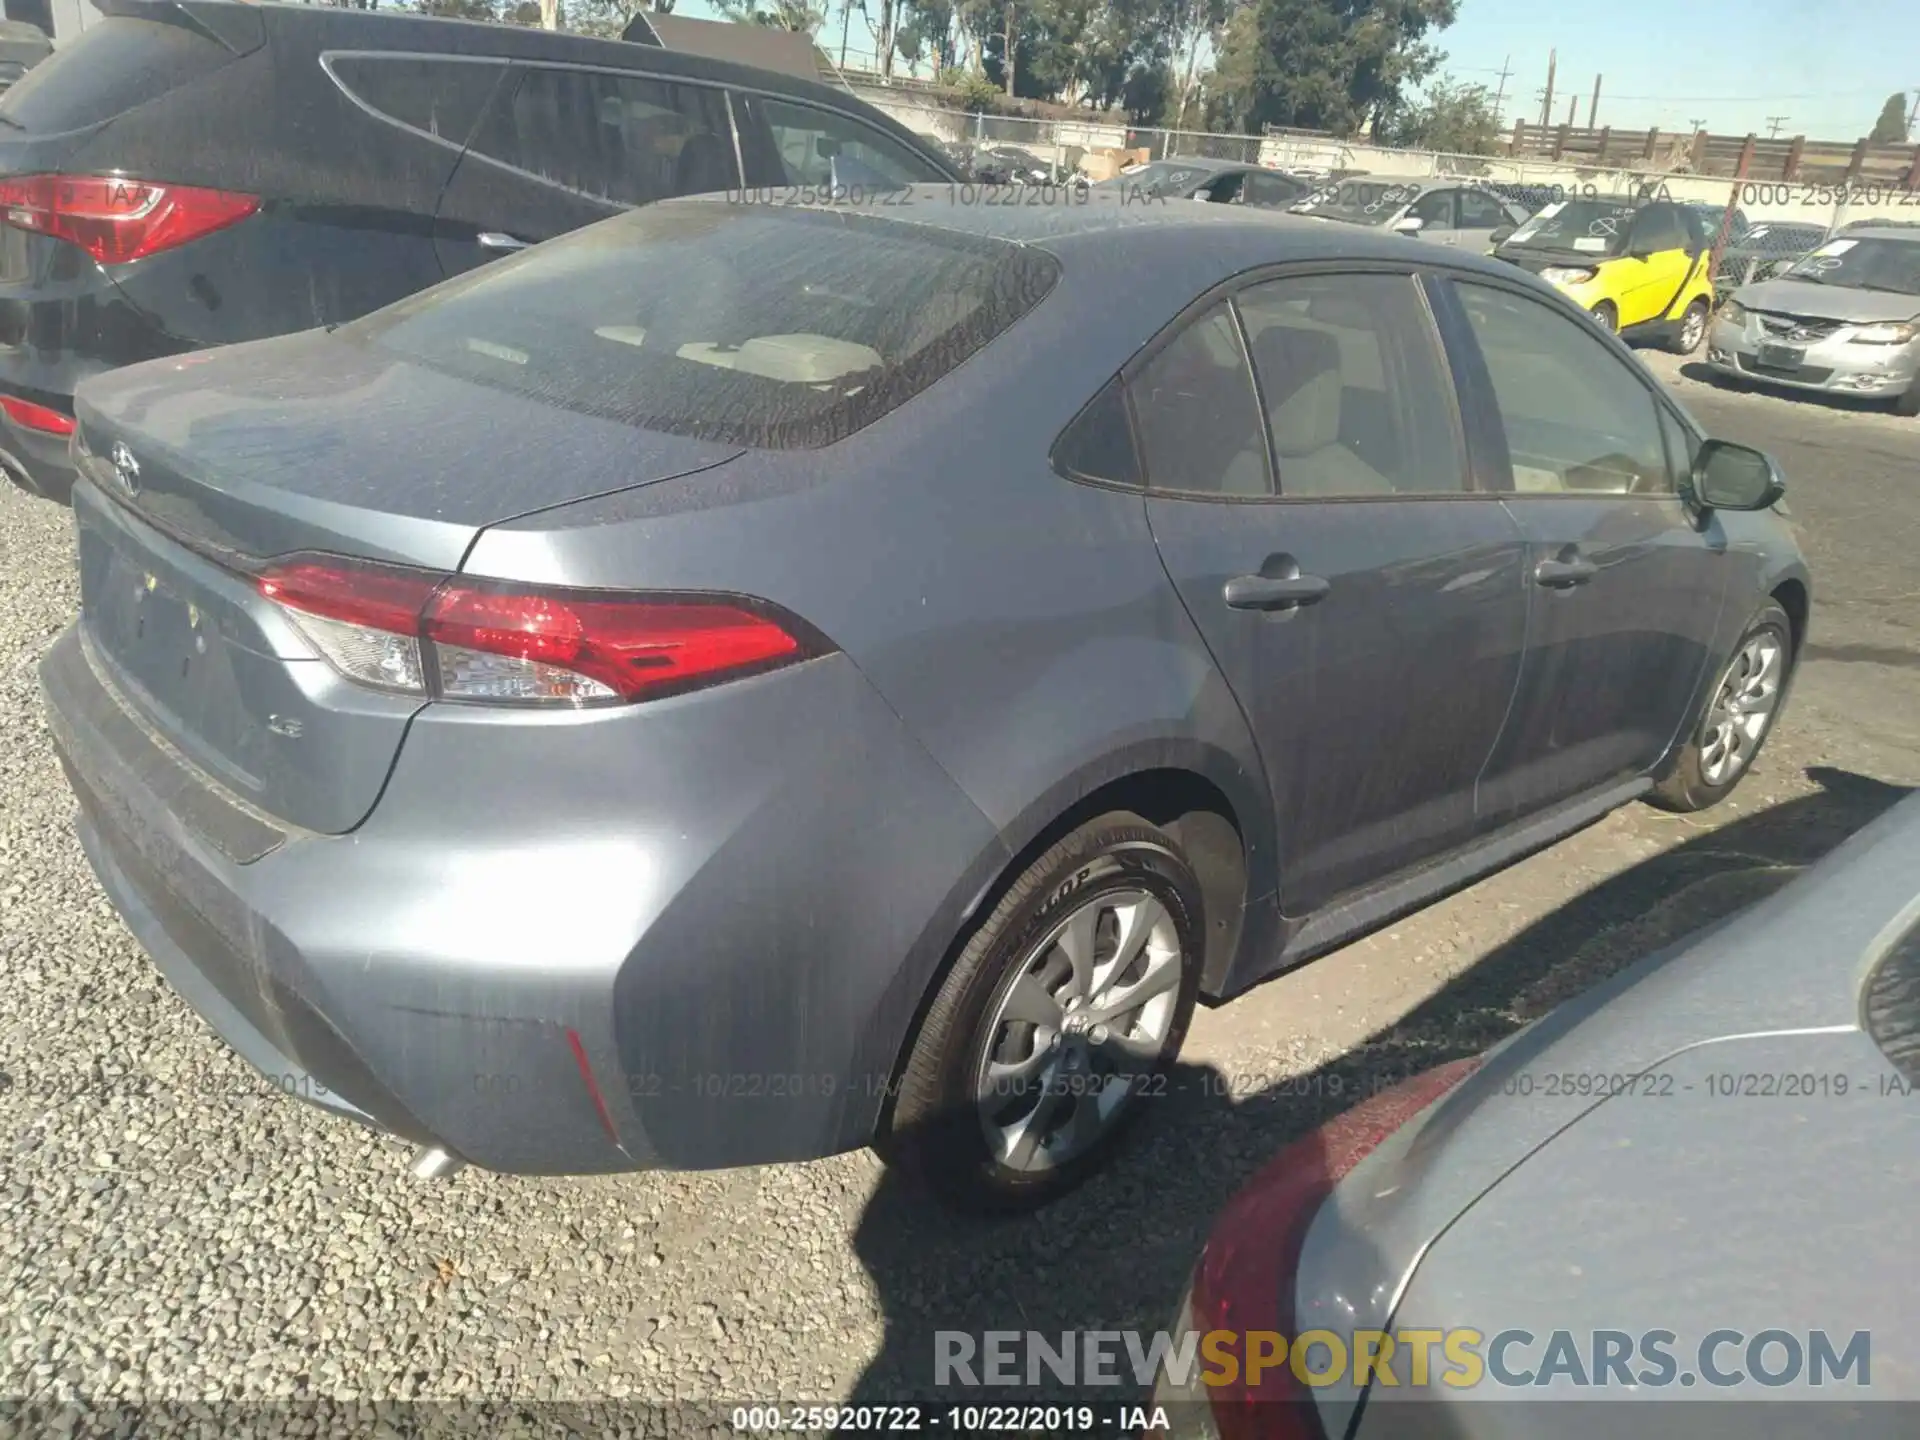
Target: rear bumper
column 36, row 462
column 547, row 951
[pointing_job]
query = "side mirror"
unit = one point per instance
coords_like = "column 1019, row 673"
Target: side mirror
column 1503, row 234
column 1736, row 477
column 1411, row 225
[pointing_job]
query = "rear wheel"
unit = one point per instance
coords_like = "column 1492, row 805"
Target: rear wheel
column 1739, row 716
column 1693, row 329
column 1607, row 316
column 1059, row 1018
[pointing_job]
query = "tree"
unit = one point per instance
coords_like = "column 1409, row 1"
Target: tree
column 779, row 15
column 1450, row 117
column 1891, row 127
column 1323, row 64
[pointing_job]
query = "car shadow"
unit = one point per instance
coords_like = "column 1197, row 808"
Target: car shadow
column 1116, row 1254
column 1701, row 373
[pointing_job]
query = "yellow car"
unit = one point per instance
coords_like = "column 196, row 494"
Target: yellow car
column 1640, row 268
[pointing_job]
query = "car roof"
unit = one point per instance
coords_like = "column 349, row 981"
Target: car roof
column 1084, row 222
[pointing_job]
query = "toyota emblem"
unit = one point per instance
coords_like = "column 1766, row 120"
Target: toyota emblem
column 126, row 469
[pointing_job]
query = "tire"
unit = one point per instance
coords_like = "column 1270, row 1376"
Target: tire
column 1693, row 329
column 1700, row 775
column 1084, row 886
column 1909, row 402
column 1607, row 316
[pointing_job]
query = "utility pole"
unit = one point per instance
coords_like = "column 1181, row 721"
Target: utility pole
column 1546, row 104
column 1573, row 110
column 1696, row 124
column 1913, row 115
column 1506, row 69
column 846, row 18
column 1593, row 110
column 1774, row 122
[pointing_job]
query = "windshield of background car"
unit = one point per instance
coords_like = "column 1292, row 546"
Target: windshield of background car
column 752, row 325
column 1361, row 202
column 1870, row 264
column 1579, row 227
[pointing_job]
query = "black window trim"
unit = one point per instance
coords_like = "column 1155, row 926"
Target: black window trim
column 1227, row 289
column 1476, row 381
column 328, row 57
column 516, row 66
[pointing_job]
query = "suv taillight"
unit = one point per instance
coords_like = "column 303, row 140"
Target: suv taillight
column 494, row 642
column 116, row 220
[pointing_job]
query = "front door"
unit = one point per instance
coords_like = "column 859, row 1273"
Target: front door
column 1435, row 212
column 1659, row 260
column 1367, row 609
column 1626, row 584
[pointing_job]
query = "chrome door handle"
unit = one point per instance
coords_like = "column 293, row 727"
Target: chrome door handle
column 499, row 240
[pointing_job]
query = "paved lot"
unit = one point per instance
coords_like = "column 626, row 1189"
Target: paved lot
column 167, row 1232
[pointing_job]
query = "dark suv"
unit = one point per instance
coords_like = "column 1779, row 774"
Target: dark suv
column 190, row 173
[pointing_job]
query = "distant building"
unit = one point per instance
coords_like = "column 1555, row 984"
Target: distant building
column 59, row 20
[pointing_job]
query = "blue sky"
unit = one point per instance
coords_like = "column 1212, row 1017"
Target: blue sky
column 1826, row 66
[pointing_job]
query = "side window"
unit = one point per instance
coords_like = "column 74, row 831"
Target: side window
column 1359, row 399
column 1262, row 188
column 1577, row 417
column 1656, row 228
column 1199, row 422
column 441, row 96
column 1436, row 208
column 628, row 139
column 1480, row 211
column 1098, row 445
column 784, row 143
column 1225, row 190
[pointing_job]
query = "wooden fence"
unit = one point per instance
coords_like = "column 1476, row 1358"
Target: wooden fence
column 1795, row 160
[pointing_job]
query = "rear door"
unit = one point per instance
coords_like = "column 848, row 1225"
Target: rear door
column 790, row 142
column 1368, row 609
column 561, row 147
column 1626, row 584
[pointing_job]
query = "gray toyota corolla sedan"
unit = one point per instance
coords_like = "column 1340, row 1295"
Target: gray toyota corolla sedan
column 747, row 681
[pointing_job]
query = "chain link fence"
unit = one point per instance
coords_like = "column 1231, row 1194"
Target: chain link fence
column 1760, row 227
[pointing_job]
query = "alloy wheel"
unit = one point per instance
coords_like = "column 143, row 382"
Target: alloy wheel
column 1742, row 709
column 1693, row 328
column 1079, row 1029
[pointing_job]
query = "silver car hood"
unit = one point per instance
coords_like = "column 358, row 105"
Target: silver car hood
column 1791, row 964
column 1826, row 302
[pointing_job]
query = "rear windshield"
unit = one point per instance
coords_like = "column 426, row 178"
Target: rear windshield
column 106, row 71
column 750, row 324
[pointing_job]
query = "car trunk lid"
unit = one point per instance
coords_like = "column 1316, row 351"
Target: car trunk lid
column 203, row 466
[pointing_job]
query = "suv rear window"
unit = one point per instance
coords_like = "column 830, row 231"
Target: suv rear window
column 749, row 324
column 106, row 71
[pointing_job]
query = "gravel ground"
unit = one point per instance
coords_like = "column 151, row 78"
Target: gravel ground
column 169, row 1232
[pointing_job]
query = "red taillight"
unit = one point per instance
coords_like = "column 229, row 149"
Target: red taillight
column 117, row 220
column 1245, row 1278
column 486, row 640
column 30, row 416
